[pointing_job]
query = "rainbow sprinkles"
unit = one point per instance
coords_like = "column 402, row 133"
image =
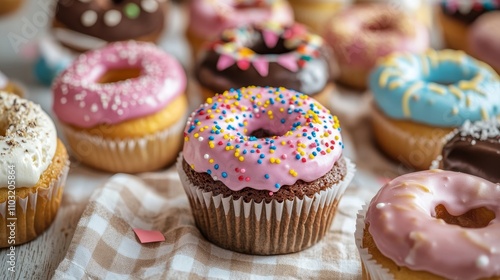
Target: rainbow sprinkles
column 262, row 137
column 235, row 47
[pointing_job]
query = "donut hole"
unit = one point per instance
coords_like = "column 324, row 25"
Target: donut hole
column 475, row 218
column 382, row 24
column 448, row 74
column 259, row 47
column 263, row 133
column 251, row 5
column 117, row 2
column 119, row 75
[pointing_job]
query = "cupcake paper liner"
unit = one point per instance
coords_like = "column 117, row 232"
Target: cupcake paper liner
column 264, row 228
column 34, row 213
column 127, row 155
column 371, row 269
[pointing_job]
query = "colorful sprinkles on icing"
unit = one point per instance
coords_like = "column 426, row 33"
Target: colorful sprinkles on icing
column 267, row 137
column 441, row 88
column 233, row 47
column 81, row 100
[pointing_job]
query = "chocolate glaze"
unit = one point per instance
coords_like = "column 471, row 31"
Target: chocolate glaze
column 467, row 18
column 479, row 156
column 310, row 79
column 69, row 14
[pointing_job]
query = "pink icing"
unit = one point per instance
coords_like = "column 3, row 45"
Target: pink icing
column 81, row 101
column 217, row 138
column 402, row 223
column 356, row 44
column 484, row 40
column 208, row 18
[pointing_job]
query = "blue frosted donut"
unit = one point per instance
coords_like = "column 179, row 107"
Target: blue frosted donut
column 439, row 88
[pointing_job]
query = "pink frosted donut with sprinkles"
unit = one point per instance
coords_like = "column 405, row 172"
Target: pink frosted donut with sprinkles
column 85, row 94
column 263, row 138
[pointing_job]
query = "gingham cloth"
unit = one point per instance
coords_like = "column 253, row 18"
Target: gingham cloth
column 105, row 246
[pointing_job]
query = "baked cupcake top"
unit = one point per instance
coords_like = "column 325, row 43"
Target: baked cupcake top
column 88, row 93
column 439, row 88
column 262, row 138
column 266, row 54
column 474, row 148
column 28, row 140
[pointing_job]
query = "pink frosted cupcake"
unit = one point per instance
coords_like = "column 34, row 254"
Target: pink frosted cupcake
column 122, row 107
column 263, row 170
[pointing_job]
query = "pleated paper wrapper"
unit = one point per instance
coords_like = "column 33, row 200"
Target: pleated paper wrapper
column 34, row 213
column 371, row 269
column 264, row 228
column 126, row 155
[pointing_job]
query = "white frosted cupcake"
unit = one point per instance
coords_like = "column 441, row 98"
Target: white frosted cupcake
column 33, row 168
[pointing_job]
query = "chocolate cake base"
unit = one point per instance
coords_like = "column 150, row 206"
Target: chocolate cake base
column 287, row 192
column 253, row 222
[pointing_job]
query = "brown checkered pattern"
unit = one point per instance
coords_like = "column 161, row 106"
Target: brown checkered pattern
column 104, row 245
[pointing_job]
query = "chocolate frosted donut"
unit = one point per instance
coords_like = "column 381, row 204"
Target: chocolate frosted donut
column 267, row 55
column 89, row 24
column 474, row 149
column 468, row 11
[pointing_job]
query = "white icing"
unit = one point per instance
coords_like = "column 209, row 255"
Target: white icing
column 3, row 80
column 313, row 77
column 28, row 148
column 480, row 130
column 149, row 6
column 482, row 261
column 89, row 18
column 112, row 18
column 78, row 40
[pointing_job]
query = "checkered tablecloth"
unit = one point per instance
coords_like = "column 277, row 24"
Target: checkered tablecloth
column 104, row 244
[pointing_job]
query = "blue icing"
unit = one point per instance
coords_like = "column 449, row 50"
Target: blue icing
column 443, row 88
column 45, row 73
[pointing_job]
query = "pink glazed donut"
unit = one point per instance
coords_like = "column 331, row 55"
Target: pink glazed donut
column 124, row 101
column 83, row 99
column 208, row 18
column 362, row 34
column 275, row 135
column 423, row 223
